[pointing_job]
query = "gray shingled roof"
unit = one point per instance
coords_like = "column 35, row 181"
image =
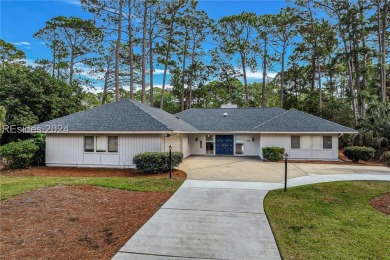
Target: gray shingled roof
column 298, row 121
column 238, row 119
column 259, row 120
column 124, row 115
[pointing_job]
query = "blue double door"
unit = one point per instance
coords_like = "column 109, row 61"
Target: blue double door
column 224, row 144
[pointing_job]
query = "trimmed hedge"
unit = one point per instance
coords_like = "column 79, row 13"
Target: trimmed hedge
column 356, row 153
column 155, row 162
column 18, row 155
column 273, row 153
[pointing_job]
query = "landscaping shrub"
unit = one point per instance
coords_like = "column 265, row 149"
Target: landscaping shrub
column 385, row 158
column 19, row 154
column 273, row 153
column 39, row 156
column 356, row 153
column 156, row 162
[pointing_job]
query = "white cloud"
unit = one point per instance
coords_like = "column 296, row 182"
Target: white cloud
column 21, row 43
column 73, row 2
column 259, row 75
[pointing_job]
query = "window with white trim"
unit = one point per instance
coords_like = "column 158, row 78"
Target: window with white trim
column 101, row 144
column 295, row 142
column 113, row 144
column 89, row 143
column 327, row 142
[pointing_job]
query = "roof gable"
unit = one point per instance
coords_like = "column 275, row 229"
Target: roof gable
column 297, row 121
column 124, row 115
column 237, row 119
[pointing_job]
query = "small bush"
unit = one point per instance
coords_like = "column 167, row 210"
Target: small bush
column 155, row 162
column 273, row 153
column 39, row 156
column 18, row 155
column 385, row 158
column 356, row 153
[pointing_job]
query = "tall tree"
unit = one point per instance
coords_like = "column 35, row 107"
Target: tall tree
column 9, row 53
column 170, row 14
column 285, row 32
column 235, row 35
column 79, row 37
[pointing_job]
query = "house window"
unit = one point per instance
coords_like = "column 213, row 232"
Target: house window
column 327, row 142
column 101, row 143
column 89, row 143
column 240, row 144
column 113, row 144
column 295, row 142
column 209, row 144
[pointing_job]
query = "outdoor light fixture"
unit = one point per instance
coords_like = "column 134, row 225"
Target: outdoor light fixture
column 196, row 139
column 253, row 139
column 168, row 135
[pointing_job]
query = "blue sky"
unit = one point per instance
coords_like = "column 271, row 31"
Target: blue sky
column 20, row 19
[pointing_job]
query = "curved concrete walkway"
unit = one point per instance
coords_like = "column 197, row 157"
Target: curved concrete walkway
column 217, row 220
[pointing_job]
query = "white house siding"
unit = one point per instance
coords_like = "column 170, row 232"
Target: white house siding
column 64, row 149
column 68, row 150
column 251, row 145
column 186, row 145
column 198, row 144
column 311, row 146
column 130, row 145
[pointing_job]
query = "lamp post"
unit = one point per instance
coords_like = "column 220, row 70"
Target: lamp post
column 285, row 171
column 170, row 162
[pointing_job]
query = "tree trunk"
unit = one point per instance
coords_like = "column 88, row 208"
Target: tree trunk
column 319, row 88
column 183, row 73
column 384, row 50
column 106, row 75
column 143, row 70
column 117, row 51
column 263, row 87
column 71, row 66
column 243, row 60
column 151, row 69
column 54, row 61
column 166, row 67
column 282, row 79
column 131, row 51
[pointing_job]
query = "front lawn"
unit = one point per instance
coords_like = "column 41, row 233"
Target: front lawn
column 53, row 217
column 12, row 185
column 330, row 220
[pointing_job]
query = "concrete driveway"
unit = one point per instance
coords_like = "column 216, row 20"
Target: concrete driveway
column 254, row 170
column 206, row 223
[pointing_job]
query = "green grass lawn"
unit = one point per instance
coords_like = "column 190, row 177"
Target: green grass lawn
column 11, row 186
column 330, row 220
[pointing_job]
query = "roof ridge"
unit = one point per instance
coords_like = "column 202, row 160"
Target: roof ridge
column 147, row 112
column 269, row 120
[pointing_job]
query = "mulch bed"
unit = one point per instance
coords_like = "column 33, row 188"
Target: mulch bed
column 76, row 222
column 87, row 172
column 382, row 203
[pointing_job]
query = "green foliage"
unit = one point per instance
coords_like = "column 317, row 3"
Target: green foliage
column 155, row 162
column 39, row 156
column 273, row 153
column 374, row 129
column 9, row 53
column 356, row 153
column 18, row 155
column 386, row 158
column 31, row 95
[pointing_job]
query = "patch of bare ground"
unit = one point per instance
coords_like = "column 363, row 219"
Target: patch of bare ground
column 382, row 203
column 86, row 172
column 76, row 222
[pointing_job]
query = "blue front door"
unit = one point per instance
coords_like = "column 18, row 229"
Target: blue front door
column 224, row 144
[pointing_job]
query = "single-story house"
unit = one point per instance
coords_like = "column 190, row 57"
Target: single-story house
column 111, row 134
